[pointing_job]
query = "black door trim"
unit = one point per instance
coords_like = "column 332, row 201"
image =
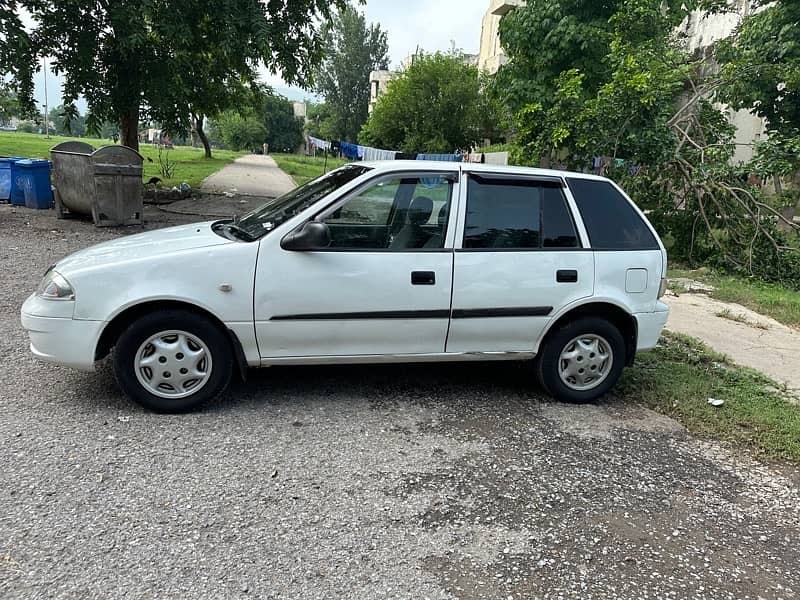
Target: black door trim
column 483, row 313
column 358, row 316
column 461, row 313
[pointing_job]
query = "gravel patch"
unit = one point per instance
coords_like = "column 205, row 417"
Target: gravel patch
column 438, row 481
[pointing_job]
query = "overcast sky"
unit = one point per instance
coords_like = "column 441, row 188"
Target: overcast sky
column 428, row 24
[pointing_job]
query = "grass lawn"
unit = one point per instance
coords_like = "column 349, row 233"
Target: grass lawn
column 778, row 302
column 681, row 374
column 191, row 166
column 306, row 168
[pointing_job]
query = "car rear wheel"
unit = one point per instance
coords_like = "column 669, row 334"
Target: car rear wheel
column 173, row 361
column 581, row 360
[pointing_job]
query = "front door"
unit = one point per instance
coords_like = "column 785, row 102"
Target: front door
column 520, row 260
column 383, row 286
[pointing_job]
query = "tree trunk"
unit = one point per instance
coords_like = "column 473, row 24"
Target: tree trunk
column 129, row 128
column 198, row 125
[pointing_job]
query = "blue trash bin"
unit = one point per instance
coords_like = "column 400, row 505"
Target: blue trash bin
column 5, row 179
column 8, row 181
column 34, row 176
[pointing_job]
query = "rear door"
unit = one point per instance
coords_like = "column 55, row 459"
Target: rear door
column 518, row 260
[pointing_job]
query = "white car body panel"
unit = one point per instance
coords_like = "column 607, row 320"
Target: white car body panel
column 348, row 286
column 491, row 280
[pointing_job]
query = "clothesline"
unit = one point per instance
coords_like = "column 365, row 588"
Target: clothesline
column 367, row 153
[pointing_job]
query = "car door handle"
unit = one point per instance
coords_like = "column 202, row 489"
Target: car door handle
column 423, row 278
column 567, row 276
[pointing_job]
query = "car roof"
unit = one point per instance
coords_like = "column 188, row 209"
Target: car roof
column 433, row 165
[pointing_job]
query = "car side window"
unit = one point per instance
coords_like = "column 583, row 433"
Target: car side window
column 373, row 206
column 610, row 220
column 403, row 213
column 515, row 214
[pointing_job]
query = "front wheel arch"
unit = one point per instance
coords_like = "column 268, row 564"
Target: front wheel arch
column 115, row 327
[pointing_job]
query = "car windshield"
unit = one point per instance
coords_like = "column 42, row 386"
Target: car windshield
column 275, row 212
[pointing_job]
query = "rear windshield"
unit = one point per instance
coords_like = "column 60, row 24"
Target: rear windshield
column 611, row 222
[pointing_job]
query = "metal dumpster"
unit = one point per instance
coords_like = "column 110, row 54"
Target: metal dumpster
column 104, row 183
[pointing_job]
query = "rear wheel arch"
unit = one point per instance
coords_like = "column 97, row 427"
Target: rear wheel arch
column 624, row 321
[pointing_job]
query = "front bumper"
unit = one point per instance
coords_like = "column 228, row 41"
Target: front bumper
column 650, row 326
column 61, row 340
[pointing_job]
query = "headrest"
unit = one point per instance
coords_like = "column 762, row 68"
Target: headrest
column 420, row 210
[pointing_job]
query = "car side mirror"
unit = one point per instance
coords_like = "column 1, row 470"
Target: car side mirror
column 312, row 235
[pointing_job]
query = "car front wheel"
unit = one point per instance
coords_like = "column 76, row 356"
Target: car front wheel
column 173, row 361
column 582, row 360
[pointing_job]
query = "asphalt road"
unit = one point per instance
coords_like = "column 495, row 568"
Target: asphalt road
column 438, row 481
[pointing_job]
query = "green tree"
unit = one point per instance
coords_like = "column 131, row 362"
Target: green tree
column 760, row 64
column 651, row 118
column 284, row 131
column 545, row 38
column 353, row 50
column 320, row 122
column 760, row 72
column 74, row 125
column 9, row 105
column 165, row 59
column 17, row 57
column 241, row 132
column 436, row 105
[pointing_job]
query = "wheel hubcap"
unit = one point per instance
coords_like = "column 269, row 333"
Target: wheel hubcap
column 585, row 362
column 173, row 364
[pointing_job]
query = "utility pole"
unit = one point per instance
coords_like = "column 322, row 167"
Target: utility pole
column 46, row 113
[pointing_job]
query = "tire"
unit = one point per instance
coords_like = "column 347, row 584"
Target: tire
column 173, row 361
column 588, row 343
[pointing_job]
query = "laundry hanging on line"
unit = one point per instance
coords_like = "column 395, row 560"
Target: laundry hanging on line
column 441, row 157
column 318, row 143
column 352, row 151
column 378, row 154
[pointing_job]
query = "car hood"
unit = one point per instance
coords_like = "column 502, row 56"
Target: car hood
column 153, row 244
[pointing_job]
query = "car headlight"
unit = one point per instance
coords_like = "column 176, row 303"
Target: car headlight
column 55, row 287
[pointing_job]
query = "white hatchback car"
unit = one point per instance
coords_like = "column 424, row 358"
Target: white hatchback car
column 373, row 262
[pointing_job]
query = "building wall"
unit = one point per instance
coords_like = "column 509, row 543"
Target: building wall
column 378, row 82
column 300, row 110
column 491, row 56
column 701, row 31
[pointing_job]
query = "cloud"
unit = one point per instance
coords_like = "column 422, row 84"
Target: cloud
column 427, row 25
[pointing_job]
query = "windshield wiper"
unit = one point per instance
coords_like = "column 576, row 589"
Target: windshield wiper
column 239, row 232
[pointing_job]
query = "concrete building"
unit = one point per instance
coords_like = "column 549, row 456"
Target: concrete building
column 701, row 30
column 491, row 55
column 300, row 110
column 378, row 82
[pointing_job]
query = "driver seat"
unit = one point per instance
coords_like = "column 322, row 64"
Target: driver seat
column 412, row 235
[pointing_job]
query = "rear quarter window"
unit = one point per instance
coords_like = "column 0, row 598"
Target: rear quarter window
column 610, row 220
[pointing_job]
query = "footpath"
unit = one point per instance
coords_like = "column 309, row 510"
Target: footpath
column 236, row 189
column 748, row 338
